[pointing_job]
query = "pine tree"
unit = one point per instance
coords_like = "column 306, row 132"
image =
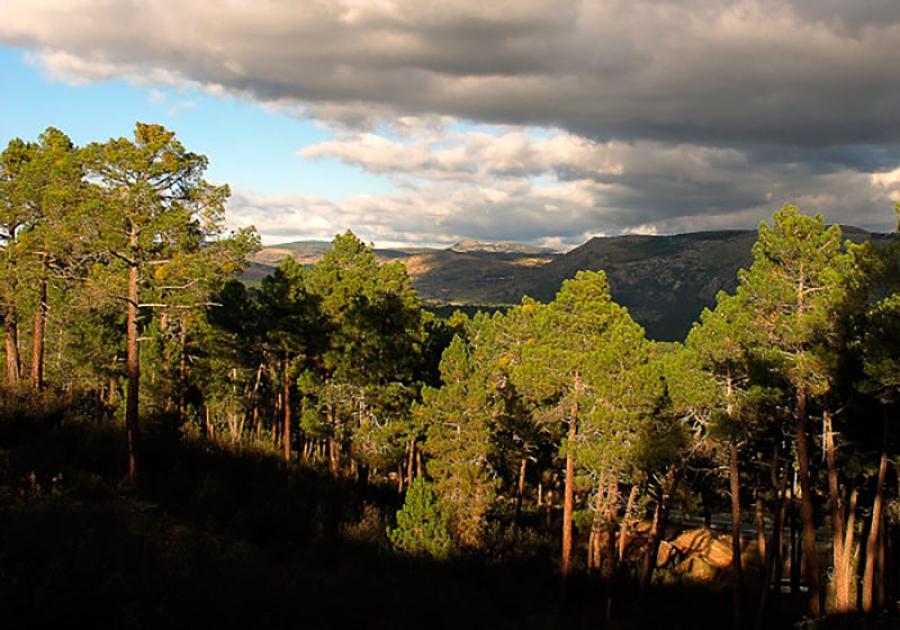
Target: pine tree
column 720, row 348
column 880, row 346
column 374, row 329
column 461, row 418
column 584, row 361
column 796, row 293
column 290, row 319
column 161, row 226
column 421, row 528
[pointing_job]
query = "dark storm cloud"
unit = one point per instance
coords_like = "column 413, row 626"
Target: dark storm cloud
column 714, row 109
column 807, row 73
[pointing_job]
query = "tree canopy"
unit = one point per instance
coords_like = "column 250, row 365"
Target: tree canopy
column 546, row 428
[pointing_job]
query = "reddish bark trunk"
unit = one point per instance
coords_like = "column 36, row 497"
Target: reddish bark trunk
column 774, row 557
column 11, row 324
column 569, row 502
column 411, row 460
column 520, row 496
column 760, row 528
column 658, row 529
column 734, row 479
column 626, row 521
column 286, row 395
column 40, row 320
column 132, row 366
column 841, row 579
column 875, row 539
column 594, row 548
column 807, row 513
column 846, row 560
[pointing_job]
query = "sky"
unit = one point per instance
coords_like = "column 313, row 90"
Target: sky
column 424, row 123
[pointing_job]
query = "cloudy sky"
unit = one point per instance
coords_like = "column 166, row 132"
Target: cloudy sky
column 541, row 121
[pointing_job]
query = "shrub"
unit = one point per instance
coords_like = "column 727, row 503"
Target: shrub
column 421, row 528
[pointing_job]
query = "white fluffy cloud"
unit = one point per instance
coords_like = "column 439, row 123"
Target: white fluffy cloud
column 672, row 115
column 563, row 188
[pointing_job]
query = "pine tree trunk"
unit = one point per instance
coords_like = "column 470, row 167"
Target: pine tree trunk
column 11, row 324
column 520, row 496
column 795, row 554
column 658, row 529
column 626, row 520
column 888, row 580
column 760, row 522
column 774, row 556
column 286, row 395
column 132, row 365
column 840, row 581
column 652, row 550
column 411, row 460
column 254, row 398
column 881, row 579
column 610, row 566
column 279, row 413
column 40, row 320
column 333, row 455
column 182, row 371
column 875, row 539
column 569, row 501
column 848, row 566
column 734, row 479
column 548, row 510
column 610, row 570
column 611, row 514
column 807, row 512
column 242, row 419
column 303, row 438
column 594, row 549
column 111, row 387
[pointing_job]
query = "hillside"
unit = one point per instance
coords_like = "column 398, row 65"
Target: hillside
column 465, row 273
column 664, row 281
column 223, row 537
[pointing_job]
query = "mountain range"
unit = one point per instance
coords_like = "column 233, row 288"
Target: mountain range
column 664, row 281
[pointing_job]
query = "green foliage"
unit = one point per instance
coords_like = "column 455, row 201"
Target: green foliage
column 584, row 354
column 421, row 528
column 153, row 211
column 42, row 189
column 314, row 425
column 122, row 230
column 798, row 291
column 461, row 419
column 126, row 237
column 289, row 312
column 157, row 226
column 370, row 362
column 371, row 316
column 733, row 381
column 879, row 341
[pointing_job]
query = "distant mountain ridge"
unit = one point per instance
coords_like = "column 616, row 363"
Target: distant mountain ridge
column 664, row 281
column 501, row 247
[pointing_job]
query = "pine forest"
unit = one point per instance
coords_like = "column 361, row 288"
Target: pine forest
column 319, row 449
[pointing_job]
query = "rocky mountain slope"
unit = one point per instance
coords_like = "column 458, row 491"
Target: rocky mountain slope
column 664, row 281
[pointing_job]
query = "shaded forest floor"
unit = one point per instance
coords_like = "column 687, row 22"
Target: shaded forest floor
column 216, row 538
